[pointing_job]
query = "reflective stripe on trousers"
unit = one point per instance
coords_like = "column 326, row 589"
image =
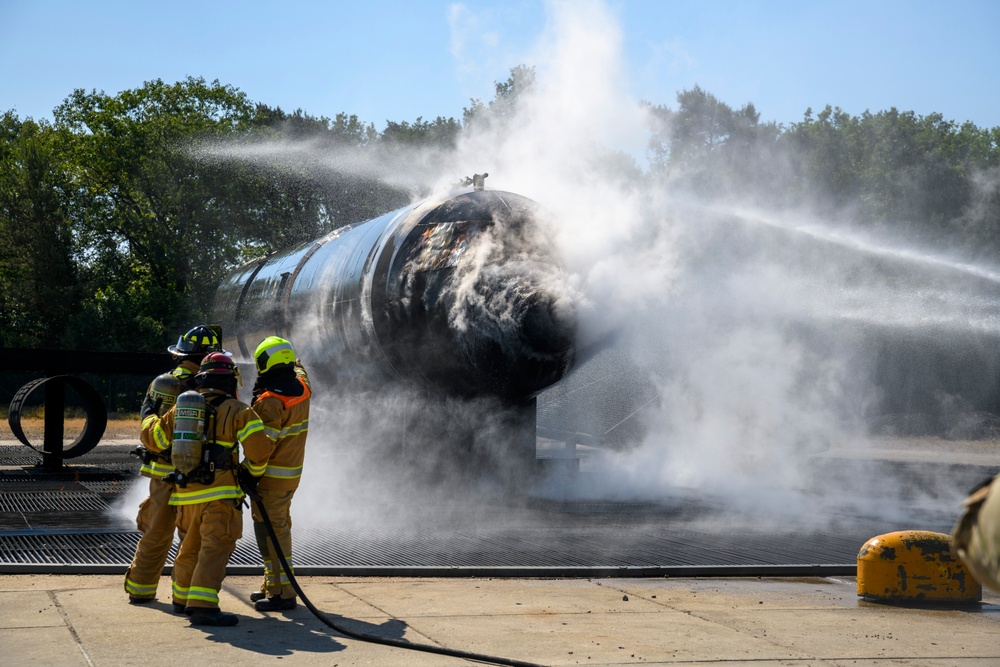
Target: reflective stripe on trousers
column 212, row 529
column 156, row 521
column 278, row 505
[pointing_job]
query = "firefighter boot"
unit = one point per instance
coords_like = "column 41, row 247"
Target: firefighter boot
column 257, row 595
column 276, row 603
column 208, row 616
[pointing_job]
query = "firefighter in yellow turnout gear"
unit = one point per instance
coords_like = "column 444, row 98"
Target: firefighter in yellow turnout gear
column 281, row 397
column 207, row 494
column 157, row 517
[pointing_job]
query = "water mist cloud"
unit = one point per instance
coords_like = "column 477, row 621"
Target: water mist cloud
column 730, row 313
column 735, row 314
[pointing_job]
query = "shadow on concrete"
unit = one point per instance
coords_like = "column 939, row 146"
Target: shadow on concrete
column 274, row 637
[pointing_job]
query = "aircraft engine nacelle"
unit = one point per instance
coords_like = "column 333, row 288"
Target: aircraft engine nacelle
column 462, row 293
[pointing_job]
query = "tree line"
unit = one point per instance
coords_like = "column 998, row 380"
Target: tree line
column 115, row 229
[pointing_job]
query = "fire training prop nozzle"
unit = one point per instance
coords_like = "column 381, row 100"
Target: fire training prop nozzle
column 477, row 181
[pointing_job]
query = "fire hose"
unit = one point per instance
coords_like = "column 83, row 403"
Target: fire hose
column 427, row 648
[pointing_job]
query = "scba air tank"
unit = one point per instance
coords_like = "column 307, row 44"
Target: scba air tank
column 163, row 392
column 189, row 431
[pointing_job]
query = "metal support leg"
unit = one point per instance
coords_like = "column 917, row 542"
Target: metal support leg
column 55, row 404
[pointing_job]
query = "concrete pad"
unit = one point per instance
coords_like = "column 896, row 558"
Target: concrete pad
column 29, row 609
column 638, row 638
column 759, row 622
column 48, row 646
column 100, row 607
column 860, row 635
column 741, row 593
column 436, row 597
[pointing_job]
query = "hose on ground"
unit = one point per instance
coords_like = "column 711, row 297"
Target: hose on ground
column 427, row 648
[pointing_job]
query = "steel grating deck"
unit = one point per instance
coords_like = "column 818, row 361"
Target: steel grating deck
column 458, row 554
column 62, row 523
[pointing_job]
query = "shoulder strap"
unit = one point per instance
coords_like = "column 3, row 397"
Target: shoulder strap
column 212, row 403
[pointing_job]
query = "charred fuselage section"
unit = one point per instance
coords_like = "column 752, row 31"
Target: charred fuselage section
column 441, row 322
column 461, row 295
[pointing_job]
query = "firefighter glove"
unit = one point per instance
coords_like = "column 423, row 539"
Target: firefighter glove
column 248, row 482
column 150, row 407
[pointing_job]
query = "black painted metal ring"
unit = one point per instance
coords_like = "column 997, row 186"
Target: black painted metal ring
column 93, row 406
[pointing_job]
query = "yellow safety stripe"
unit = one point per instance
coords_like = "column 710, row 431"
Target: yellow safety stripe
column 283, row 579
column 142, row 590
column 295, row 429
column 275, row 577
column 152, row 416
column 180, row 593
column 205, row 495
column 284, row 472
column 203, row 594
column 156, row 469
column 160, row 436
column 253, row 426
column 256, row 471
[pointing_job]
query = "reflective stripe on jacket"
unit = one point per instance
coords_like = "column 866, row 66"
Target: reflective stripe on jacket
column 158, row 469
column 184, row 372
column 286, row 420
column 236, row 423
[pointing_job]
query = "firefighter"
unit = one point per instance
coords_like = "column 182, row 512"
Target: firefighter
column 204, row 430
column 156, row 519
column 281, row 397
column 976, row 536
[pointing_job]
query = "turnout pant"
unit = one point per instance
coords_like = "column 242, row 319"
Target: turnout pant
column 211, row 530
column 278, row 505
column 156, row 521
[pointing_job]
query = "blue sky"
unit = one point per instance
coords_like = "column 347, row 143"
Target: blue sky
column 403, row 59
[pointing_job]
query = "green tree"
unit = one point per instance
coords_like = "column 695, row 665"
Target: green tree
column 317, row 174
column 157, row 231
column 38, row 285
column 826, row 154
column 501, row 109
column 441, row 133
column 344, row 129
column 919, row 176
column 712, row 148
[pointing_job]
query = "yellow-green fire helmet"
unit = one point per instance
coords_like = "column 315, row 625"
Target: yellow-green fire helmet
column 273, row 352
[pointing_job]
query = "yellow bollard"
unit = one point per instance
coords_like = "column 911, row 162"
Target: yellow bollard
column 914, row 565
